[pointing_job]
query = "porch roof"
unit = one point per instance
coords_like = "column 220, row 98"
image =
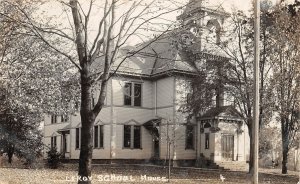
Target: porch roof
column 64, row 129
column 224, row 112
column 151, row 126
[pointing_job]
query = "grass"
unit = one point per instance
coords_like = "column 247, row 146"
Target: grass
column 68, row 174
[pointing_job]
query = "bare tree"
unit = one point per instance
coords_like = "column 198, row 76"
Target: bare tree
column 238, row 46
column 286, row 79
column 85, row 45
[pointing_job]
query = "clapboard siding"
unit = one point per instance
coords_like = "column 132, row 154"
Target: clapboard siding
column 182, row 89
column 47, row 119
column 104, row 116
column 113, row 116
column 108, row 92
column 118, row 92
column 147, row 90
column 126, row 153
column 47, row 143
column 165, row 132
column 165, row 92
column 124, row 114
column 51, row 129
column 101, row 153
column 166, row 113
column 180, row 145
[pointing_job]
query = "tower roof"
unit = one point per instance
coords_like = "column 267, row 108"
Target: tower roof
column 195, row 6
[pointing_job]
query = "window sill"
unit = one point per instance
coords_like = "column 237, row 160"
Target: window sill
column 133, row 106
column 101, row 148
column 193, row 149
column 55, row 123
column 132, row 148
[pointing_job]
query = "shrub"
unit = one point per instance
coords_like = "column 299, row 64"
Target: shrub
column 53, row 158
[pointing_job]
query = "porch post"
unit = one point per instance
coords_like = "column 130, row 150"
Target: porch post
column 237, row 145
column 198, row 146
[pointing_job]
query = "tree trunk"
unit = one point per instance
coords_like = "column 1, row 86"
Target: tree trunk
column 284, row 159
column 87, row 121
column 285, row 145
column 251, row 151
column 10, row 153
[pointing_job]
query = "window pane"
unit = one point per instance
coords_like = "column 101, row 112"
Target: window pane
column 137, row 137
column 93, row 101
column 76, row 106
column 77, row 138
column 207, row 141
column 127, row 94
column 52, row 142
column 55, row 141
column 189, row 137
column 137, row 94
column 53, row 119
column 96, row 137
column 64, row 118
column 127, row 136
column 65, row 144
column 101, row 136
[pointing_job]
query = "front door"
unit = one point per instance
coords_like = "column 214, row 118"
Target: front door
column 227, row 145
column 64, row 145
column 156, row 147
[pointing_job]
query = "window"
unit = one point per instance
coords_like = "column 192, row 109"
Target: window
column 77, row 138
column 64, row 118
column 207, row 125
column 132, row 136
column 189, row 142
column 93, row 101
column 137, row 94
column 98, row 136
column 53, row 142
column 53, row 119
column 127, row 92
column 127, row 137
column 206, row 140
column 76, row 105
column 137, row 137
column 189, row 98
column 133, row 94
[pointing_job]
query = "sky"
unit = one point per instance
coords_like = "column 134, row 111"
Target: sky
column 239, row 4
column 245, row 5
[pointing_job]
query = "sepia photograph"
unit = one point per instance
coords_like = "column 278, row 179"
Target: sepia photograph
column 150, row 91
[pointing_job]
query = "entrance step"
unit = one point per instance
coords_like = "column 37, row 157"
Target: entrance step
column 233, row 165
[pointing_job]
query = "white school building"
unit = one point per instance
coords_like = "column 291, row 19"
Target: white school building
column 141, row 115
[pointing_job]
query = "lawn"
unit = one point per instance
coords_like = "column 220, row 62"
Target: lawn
column 139, row 174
